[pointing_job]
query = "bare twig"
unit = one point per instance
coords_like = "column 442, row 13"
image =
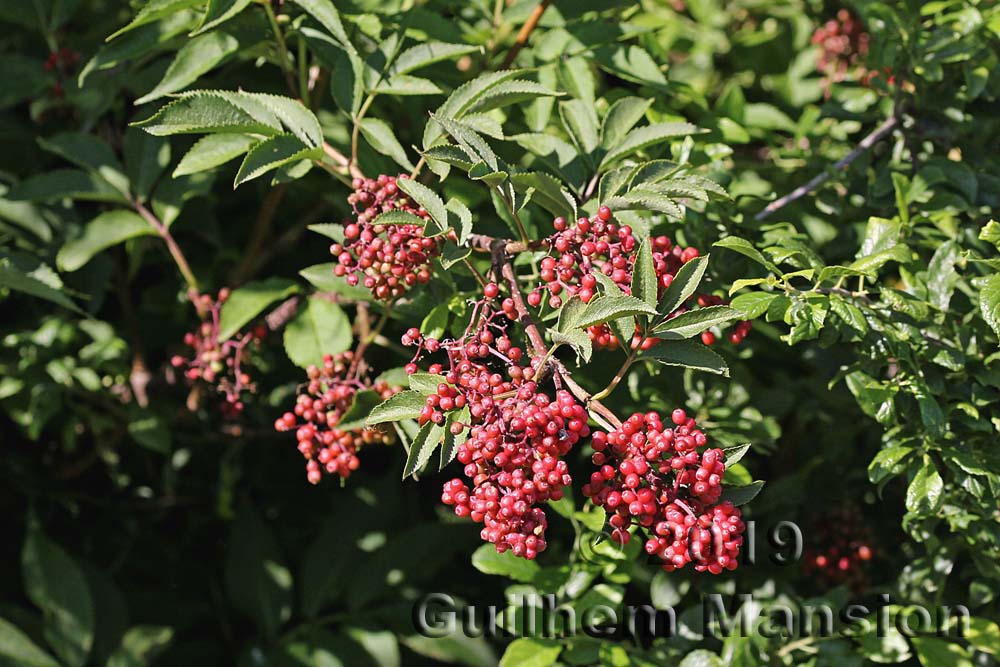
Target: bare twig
column 175, row 250
column 282, row 315
column 866, row 144
column 525, row 34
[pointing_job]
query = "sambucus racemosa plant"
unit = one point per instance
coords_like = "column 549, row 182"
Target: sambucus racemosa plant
column 514, row 205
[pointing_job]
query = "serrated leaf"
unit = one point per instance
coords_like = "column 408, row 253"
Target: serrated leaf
column 622, row 117
column 612, row 183
column 741, row 495
column 461, row 99
column 404, row 405
column 107, row 229
column 422, row 448
column 381, row 137
column 547, row 192
column 213, row 150
column 393, row 217
column 734, row 453
column 202, row 112
column 695, row 321
column 688, row 354
column 645, row 287
column 684, row 284
column 326, row 14
column 452, row 441
column 54, row 583
column 425, row 383
column 471, row 143
column 426, row 54
column 428, row 199
column 320, row 327
column 218, row 12
column 580, row 121
column 406, row 85
column 453, row 254
column 249, row 301
column 746, row 249
column 630, row 62
column 154, row 10
column 449, row 154
column 645, row 199
column 464, row 215
column 198, row 56
column 605, row 308
column 646, row 136
column 272, row 153
column 578, row 78
column 510, row 92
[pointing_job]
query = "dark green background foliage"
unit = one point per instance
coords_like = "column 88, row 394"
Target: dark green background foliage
column 141, row 532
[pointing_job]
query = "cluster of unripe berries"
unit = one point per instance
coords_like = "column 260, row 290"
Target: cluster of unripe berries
column 838, row 547
column 388, row 259
column 319, row 406
column 843, row 45
column 220, row 364
column 665, row 479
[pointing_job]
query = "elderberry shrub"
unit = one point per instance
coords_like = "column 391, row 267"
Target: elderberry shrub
column 517, row 434
column 388, row 259
column 220, row 364
column 598, row 245
column 319, row 407
column 655, row 476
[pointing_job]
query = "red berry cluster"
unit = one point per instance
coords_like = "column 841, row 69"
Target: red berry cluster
column 319, row 406
column 219, row 363
column 843, row 45
column 656, row 477
column 838, row 547
column 387, row 259
column 740, row 330
column 600, row 245
column 517, row 434
column 514, row 459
